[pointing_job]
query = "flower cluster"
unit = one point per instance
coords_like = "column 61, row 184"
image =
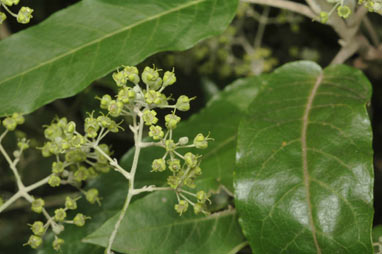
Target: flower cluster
column 372, row 5
column 343, row 10
column 56, row 223
column 23, row 16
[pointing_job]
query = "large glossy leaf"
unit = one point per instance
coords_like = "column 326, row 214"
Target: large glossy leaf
column 304, row 176
column 72, row 48
column 218, row 164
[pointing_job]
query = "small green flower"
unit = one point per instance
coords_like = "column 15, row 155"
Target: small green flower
column 81, row 174
column 183, row 103
column 91, row 126
column 181, row 207
column 171, row 120
column 77, row 141
column 10, row 2
column 23, row 144
column 70, row 127
column 170, row 145
column 24, row 15
column 201, row 196
column 70, row 203
column 173, row 181
column 92, row 196
column 59, row 214
column 57, row 167
column 174, row 165
column 105, row 101
column 169, row 78
column 191, row 159
column 126, row 94
column 198, row 208
column 18, row 118
column 37, row 205
column 131, row 73
column 79, row 220
column 34, row 241
column 115, row 108
column 200, row 141
column 156, row 132
column 57, row 243
column 120, row 78
column 54, row 180
column 158, row 165
column 151, row 78
column 324, row 17
column 153, row 97
column 149, row 117
column 38, row 228
column 9, row 123
column 344, row 11
column 3, row 17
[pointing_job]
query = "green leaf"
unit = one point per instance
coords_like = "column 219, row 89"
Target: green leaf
column 153, row 226
column 304, row 175
column 65, row 53
column 217, row 164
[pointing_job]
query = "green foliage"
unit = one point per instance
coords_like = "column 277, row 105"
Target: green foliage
column 72, row 48
column 304, row 168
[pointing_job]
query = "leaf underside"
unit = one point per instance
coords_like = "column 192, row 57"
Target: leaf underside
column 75, row 46
column 304, row 175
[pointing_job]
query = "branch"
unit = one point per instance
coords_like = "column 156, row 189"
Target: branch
column 287, row 5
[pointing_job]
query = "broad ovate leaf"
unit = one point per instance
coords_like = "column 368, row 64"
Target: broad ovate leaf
column 75, row 46
column 304, row 175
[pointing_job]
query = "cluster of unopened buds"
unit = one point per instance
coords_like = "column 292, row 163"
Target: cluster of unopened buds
column 23, row 16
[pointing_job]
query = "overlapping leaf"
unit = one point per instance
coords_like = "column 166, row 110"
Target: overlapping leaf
column 304, row 178
column 72, row 48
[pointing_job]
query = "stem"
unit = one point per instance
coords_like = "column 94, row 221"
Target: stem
column 288, row 5
column 113, row 162
column 10, row 201
column 37, row 184
column 12, row 165
column 371, row 31
column 260, row 30
column 9, row 11
column 138, row 140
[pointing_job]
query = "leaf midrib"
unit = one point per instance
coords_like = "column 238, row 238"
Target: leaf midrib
column 73, row 51
column 305, row 123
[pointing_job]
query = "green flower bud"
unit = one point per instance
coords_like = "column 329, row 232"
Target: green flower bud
column 131, row 73
column 9, row 123
column 190, row 182
column 3, row 17
column 79, row 220
column 198, row 208
column 200, row 141
column 115, row 108
column 149, row 117
column 23, row 144
column 344, row 11
column 201, row 196
column 191, row 159
column 169, row 78
column 92, row 196
column 183, row 141
column 151, row 78
column 126, row 94
column 158, row 165
column 197, row 171
column 57, row 167
column 91, row 127
column 183, row 103
column 77, row 141
column 70, row 127
column 324, row 17
column 171, row 120
column 34, row 241
column 24, row 15
column 38, row 228
column 102, row 167
column 45, row 150
column 120, row 78
column 70, row 203
column 170, row 145
column 174, row 165
column 173, row 181
column 156, row 132
column 18, row 118
column 54, row 181
column 57, row 243
column 75, row 156
column 59, row 214
column 153, row 97
column 37, row 205
column 105, row 101
column 181, row 207
column 81, row 174
column 10, row 2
